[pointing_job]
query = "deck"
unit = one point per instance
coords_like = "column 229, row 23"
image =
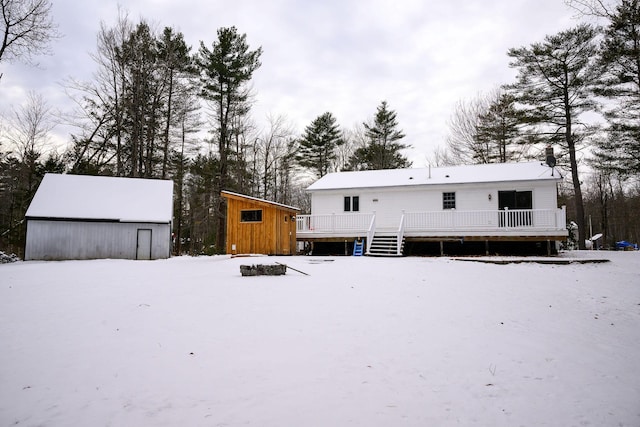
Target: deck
column 481, row 225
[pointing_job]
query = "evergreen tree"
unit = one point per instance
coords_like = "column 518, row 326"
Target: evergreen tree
column 383, row 149
column 318, row 144
column 138, row 56
column 620, row 59
column 199, row 229
column 463, row 145
column 499, row 128
column 554, row 84
column 127, row 114
column 486, row 129
column 174, row 60
column 225, row 71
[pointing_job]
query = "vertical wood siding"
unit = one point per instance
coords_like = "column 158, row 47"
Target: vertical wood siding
column 274, row 235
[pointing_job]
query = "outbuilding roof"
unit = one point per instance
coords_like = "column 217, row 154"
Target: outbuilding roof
column 230, row 194
column 103, row 198
column 493, row 172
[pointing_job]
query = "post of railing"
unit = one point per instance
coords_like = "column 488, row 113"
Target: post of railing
column 453, row 218
column 371, row 231
column 563, row 222
column 507, row 217
column 400, row 234
column 333, row 221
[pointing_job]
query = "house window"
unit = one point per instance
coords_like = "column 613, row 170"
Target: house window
column 352, row 203
column 449, row 200
column 251, row 216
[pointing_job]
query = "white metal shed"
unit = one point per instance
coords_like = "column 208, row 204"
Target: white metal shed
column 92, row 217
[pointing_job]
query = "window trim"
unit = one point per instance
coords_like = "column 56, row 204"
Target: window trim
column 351, row 204
column 244, row 215
column 448, row 200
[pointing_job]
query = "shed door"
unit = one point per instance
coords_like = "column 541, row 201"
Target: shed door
column 143, row 248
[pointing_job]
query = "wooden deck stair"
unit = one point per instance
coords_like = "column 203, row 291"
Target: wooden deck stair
column 386, row 244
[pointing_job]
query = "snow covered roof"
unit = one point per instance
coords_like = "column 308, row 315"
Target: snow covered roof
column 494, row 172
column 255, row 199
column 103, row 198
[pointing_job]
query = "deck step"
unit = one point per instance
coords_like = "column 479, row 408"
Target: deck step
column 385, row 245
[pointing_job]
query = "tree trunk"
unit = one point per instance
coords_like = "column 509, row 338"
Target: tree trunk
column 165, row 156
column 221, row 206
column 579, row 203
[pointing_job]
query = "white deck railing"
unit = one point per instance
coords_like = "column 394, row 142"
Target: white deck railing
column 371, row 231
column 334, row 223
column 438, row 221
column 535, row 219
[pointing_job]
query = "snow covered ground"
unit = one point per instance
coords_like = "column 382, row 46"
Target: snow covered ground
column 359, row 342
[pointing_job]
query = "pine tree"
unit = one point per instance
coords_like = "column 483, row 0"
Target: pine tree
column 174, row 61
column 225, row 71
column 318, row 144
column 499, row 128
column 142, row 101
column 486, row 129
column 383, row 149
column 620, row 58
column 554, row 85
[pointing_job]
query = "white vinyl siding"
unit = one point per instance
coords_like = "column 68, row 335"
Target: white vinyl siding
column 388, row 203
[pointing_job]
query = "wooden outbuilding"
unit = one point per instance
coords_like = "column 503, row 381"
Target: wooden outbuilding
column 257, row 226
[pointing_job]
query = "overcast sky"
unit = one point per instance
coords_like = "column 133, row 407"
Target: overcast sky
column 342, row 56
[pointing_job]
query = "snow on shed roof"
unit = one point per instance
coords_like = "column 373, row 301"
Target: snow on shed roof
column 226, row 193
column 103, row 198
column 494, row 172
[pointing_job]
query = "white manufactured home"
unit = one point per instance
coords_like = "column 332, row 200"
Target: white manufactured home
column 92, row 217
column 503, row 202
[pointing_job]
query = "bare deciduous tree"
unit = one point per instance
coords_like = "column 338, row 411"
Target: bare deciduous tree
column 463, row 144
column 595, row 8
column 26, row 28
column 99, row 115
column 439, row 157
column 353, row 139
column 487, row 129
column 272, row 148
column 28, row 129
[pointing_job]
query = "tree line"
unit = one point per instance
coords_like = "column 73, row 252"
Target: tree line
column 158, row 109
column 562, row 83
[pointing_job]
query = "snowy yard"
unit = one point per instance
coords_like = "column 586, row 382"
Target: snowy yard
column 359, row 342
